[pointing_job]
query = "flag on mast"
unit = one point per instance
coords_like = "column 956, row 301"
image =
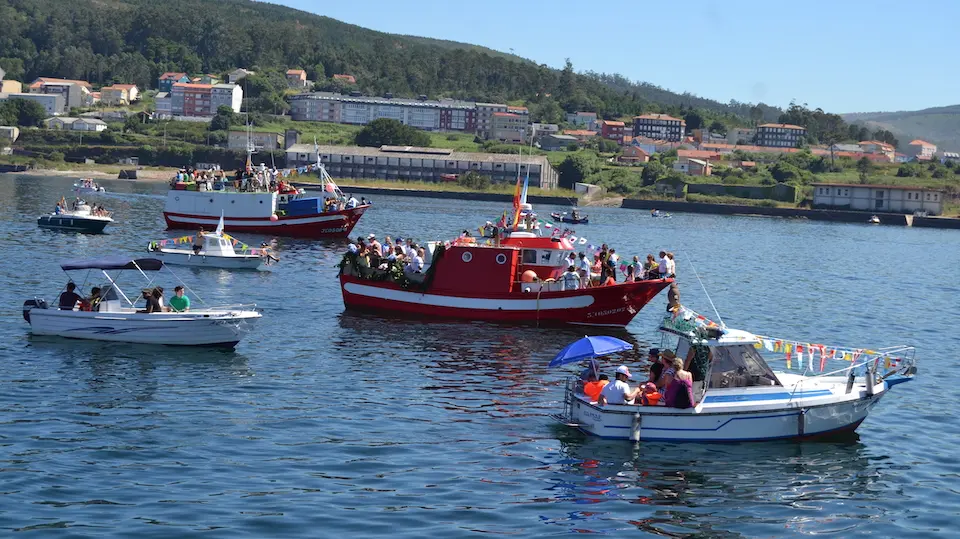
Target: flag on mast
column 517, row 194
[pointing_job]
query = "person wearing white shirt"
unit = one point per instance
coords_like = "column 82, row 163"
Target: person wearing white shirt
column 671, row 266
column 583, row 268
column 662, row 265
column 619, row 391
column 352, row 202
column 570, row 279
column 416, row 263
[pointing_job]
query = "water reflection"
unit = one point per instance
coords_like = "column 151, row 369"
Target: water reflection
column 678, row 488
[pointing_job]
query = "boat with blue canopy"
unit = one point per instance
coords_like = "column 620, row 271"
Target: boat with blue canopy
column 820, row 390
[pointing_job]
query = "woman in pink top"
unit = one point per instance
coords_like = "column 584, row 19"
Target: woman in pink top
column 679, row 393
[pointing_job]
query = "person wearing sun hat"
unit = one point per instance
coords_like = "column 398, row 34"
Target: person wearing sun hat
column 666, row 359
column 618, row 391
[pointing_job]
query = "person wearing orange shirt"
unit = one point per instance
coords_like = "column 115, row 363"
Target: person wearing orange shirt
column 593, row 388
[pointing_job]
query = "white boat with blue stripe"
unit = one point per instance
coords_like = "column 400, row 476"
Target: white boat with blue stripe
column 740, row 397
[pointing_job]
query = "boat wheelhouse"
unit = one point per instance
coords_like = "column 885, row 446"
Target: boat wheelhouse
column 740, row 397
column 217, row 250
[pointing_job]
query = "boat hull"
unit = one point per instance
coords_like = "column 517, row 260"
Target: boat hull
column 326, row 225
column 187, row 258
column 73, row 224
column 811, row 415
column 194, row 328
column 613, row 306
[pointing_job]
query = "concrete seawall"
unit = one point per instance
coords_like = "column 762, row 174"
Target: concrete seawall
column 818, row 215
column 424, row 193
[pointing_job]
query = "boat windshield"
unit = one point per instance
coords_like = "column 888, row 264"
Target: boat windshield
column 739, row 366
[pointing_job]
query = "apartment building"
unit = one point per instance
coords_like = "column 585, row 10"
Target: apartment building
column 587, row 120
column 119, row 94
column 508, row 127
column 230, row 95
column 167, row 80
column 921, row 149
column 188, row 99
column 425, row 164
column 53, row 104
column 886, row 198
column 485, row 112
column 262, row 140
column 659, row 127
column 430, row 115
column 611, row 130
column 780, row 135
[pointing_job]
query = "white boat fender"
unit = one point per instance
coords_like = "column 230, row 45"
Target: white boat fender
column 871, row 377
column 635, row 427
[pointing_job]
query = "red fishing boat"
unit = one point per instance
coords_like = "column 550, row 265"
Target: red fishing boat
column 516, row 281
column 515, row 278
column 259, row 204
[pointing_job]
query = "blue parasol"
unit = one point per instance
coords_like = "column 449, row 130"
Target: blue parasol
column 589, row 348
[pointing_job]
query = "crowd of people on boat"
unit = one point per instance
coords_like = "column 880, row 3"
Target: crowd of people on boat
column 259, row 179
column 606, row 268
column 669, row 382
column 75, row 205
column 399, row 253
column 70, row 300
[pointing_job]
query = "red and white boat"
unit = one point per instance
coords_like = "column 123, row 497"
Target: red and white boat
column 496, row 283
column 280, row 211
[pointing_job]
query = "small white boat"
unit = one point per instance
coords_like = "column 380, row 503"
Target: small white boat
column 742, row 398
column 87, row 186
column 874, row 220
column 115, row 317
column 217, row 251
column 79, row 218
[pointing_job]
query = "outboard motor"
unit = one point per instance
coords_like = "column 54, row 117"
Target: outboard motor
column 31, row 304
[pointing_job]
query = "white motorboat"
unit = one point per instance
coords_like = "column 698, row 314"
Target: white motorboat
column 87, row 186
column 874, row 220
column 742, row 398
column 79, row 218
column 218, row 250
column 115, row 317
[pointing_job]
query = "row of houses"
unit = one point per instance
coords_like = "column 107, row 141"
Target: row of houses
column 426, row 164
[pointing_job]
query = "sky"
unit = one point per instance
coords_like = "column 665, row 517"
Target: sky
column 840, row 55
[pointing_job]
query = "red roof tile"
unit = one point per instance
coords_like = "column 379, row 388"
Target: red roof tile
column 659, row 117
column 784, row 126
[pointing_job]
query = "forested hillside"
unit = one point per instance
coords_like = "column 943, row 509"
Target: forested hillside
column 939, row 125
column 107, row 41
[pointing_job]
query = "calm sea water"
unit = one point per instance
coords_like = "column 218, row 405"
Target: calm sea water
column 323, row 423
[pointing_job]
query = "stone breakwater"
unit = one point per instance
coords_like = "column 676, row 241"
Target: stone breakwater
column 817, row 215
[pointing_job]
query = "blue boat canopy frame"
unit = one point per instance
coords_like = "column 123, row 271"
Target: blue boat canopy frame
column 113, row 263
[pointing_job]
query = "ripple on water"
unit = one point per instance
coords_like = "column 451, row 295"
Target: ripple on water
column 323, row 422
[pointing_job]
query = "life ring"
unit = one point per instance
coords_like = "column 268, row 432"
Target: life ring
column 501, row 258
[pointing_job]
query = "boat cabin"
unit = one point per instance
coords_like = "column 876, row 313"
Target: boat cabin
column 719, row 358
column 547, row 257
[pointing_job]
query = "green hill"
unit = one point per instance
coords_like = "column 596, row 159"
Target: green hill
column 134, row 41
column 939, row 125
